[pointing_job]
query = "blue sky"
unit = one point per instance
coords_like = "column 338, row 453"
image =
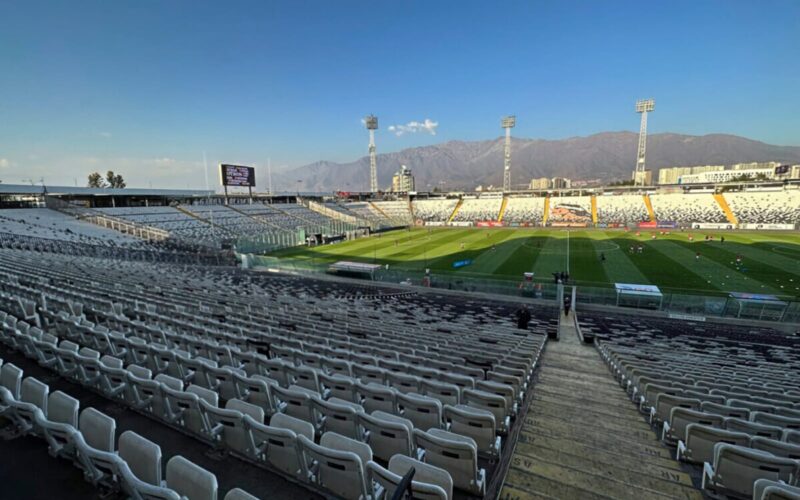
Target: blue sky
column 145, row 87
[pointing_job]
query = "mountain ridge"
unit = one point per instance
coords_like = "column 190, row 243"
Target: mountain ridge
column 607, row 156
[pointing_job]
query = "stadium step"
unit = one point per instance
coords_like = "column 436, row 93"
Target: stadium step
column 583, row 438
column 502, row 209
column 546, row 210
column 254, row 217
column 594, row 209
column 723, row 204
column 650, row 211
column 455, row 210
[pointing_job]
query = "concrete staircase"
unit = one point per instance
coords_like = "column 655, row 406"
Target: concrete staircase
column 455, row 210
column 502, row 209
column 650, row 210
column 546, row 210
column 583, row 438
column 723, row 204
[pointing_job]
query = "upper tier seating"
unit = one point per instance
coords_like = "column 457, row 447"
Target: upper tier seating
column 687, row 208
column 621, row 209
column 524, row 209
column 773, row 207
column 479, row 209
column 434, row 210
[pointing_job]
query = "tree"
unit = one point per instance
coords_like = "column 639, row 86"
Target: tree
column 114, row 181
column 96, row 181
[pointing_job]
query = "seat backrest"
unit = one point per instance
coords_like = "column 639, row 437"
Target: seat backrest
column 701, row 439
column 191, row 480
column 62, row 409
column 753, row 428
column 425, row 412
column 35, row 392
column 377, row 397
column 255, row 412
column 777, row 448
column 725, row 410
column 776, row 420
column 299, row 427
column 456, row 454
column 98, row 429
column 340, row 471
column 767, row 489
column 476, row 423
column 424, row 473
column 680, row 418
column 142, row 456
column 388, row 434
column 11, row 379
column 239, row 494
column 446, row 393
column 389, row 481
column 738, row 467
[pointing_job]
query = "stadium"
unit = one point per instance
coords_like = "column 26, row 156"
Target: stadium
column 274, row 310
column 237, row 335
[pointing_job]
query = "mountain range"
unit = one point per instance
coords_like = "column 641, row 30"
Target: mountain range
column 606, row 156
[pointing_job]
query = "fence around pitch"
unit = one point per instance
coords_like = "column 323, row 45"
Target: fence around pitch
column 680, row 305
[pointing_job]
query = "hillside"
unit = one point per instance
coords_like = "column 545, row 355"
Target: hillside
column 607, row 156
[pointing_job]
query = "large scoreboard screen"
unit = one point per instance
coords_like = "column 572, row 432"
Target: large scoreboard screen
column 237, row 175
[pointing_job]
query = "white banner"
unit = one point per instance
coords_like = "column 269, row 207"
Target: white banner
column 461, row 223
column 434, row 223
column 712, row 225
column 773, row 227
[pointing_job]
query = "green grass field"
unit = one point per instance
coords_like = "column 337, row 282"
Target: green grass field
column 770, row 261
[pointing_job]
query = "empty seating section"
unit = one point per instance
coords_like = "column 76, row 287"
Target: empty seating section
column 292, row 376
column 524, row 209
column 575, row 209
column 687, row 208
column 479, row 209
column 397, row 212
column 621, row 209
column 45, row 223
column 726, row 398
column 438, row 210
column 772, row 207
column 367, row 211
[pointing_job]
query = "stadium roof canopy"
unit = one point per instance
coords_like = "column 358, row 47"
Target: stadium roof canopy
column 86, row 191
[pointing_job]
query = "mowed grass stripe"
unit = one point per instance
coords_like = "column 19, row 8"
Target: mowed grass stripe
column 719, row 276
column 584, row 263
column 618, row 267
column 725, row 256
column 552, row 257
column 660, row 269
column 413, row 256
column 524, row 257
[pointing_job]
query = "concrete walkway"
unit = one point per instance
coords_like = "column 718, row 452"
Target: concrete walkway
column 583, row 438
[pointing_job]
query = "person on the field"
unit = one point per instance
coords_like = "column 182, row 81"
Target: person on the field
column 722, row 239
column 523, row 318
column 602, row 257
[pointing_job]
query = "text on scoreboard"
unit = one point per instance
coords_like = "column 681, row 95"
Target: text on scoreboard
column 237, row 175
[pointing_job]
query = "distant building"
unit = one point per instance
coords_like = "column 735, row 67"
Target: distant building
column 540, row 183
column 727, row 176
column 638, row 177
column 673, row 174
column 756, row 165
column 560, row 183
column 403, row 181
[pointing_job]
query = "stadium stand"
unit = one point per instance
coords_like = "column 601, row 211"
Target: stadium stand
column 291, row 378
column 524, row 209
column 621, row 209
column 479, row 209
column 725, row 397
column 397, row 212
column 765, row 207
column 687, row 208
column 437, row 210
column 49, row 224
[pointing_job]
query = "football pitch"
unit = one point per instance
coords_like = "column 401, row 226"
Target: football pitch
column 745, row 262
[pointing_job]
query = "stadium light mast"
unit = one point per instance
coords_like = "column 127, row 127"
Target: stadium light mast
column 643, row 106
column 507, row 123
column 371, row 123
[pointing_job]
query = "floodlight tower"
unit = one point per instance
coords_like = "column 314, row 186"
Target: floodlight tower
column 507, row 123
column 372, row 125
column 643, row 106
